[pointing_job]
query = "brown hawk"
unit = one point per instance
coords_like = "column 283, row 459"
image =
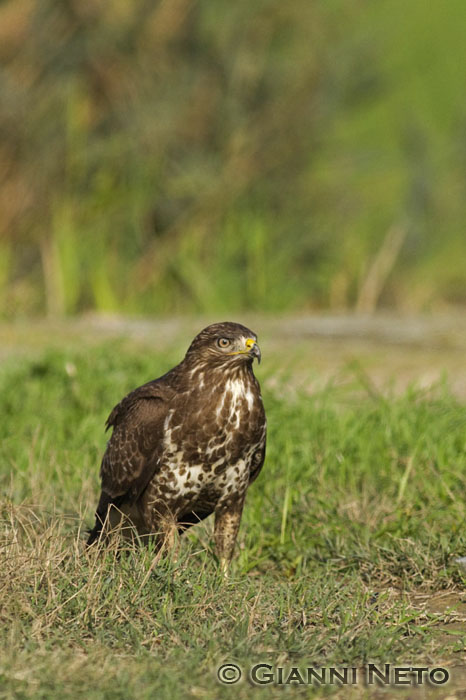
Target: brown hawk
column 187, row 444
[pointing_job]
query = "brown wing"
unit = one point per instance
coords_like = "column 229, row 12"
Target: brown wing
column 133, row 452
column 257, row 462
column 258, row 418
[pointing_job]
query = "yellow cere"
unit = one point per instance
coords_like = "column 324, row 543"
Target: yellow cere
column 249, row 344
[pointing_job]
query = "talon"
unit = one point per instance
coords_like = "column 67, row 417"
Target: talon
column 224, row 566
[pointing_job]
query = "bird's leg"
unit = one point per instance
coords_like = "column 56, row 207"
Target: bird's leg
column 227, row 520
column 164, row 531
column 168, row 537
column 159, row 524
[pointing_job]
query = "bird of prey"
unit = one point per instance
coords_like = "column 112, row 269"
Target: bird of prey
column 187, row 444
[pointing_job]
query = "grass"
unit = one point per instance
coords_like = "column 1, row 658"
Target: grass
column 347, row 540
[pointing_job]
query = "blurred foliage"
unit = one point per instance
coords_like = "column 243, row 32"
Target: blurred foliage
column 186, row 156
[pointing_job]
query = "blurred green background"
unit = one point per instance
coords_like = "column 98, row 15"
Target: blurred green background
column 181, row 156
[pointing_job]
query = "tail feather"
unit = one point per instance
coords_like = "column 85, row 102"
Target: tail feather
column 104, row 504
column 94, row 534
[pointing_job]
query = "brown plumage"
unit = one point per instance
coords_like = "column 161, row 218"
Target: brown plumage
column 187, row 444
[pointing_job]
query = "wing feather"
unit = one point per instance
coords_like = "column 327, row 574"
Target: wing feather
column 134, row 450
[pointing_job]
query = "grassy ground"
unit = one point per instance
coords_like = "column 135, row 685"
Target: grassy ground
column 345, row 554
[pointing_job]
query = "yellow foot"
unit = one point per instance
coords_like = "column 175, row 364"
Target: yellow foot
column 224, row 566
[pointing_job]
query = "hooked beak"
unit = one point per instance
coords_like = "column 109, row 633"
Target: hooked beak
column 253, row 349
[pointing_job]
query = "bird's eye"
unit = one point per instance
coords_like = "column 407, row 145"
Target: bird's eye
column 223, row 342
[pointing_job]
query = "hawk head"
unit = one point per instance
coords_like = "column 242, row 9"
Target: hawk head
column 225, row 344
